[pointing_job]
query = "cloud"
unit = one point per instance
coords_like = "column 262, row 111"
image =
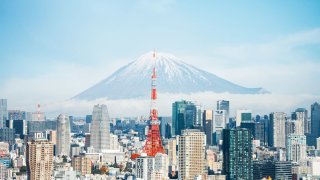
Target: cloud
column 260, row 104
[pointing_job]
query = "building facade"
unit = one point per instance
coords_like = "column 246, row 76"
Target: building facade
column 63, row 135
column 39, row 159
column 192, row 146
column 277, row 133
column 82, row 164
column 237, row 154
column 3, row 112
column 100, row 129
column 296, row 147
column 315, row 122
column 144, row 167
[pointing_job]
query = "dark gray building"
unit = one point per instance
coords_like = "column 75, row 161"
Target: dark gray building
column 278, row 170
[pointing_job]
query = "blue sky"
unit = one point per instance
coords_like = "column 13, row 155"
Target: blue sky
column 74, row 44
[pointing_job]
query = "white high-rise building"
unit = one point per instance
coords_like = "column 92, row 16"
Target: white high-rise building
column 162, row 165
column 294, row 127
column 63, row 135
column 144, row 167
column 296, row 147
column 192, row 146
column 224, row 105
column 277, row 129
column 100, row 129
column 218, row 124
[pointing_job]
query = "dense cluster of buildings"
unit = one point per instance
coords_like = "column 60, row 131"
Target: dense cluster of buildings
column 198, row 144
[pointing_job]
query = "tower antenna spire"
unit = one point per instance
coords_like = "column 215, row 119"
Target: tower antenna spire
column 153, row 143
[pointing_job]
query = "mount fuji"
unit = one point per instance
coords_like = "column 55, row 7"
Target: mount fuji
column 173, row 76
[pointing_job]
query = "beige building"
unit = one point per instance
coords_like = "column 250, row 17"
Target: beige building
column 53, row 136
column 81, row 164
column 192, row 162
column 172, row 153
column 40, row 159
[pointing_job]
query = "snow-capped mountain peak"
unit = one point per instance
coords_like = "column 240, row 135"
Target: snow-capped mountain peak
column 174, row 76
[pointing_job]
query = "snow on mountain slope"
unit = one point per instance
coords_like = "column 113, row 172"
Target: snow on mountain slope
column 173, row 76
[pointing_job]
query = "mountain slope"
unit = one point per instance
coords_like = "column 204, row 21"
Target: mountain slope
column 173, row 76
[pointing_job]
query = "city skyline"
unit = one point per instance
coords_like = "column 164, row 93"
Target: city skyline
column 258, row 44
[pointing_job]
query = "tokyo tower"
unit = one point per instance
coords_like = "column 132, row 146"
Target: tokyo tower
column 153, row 144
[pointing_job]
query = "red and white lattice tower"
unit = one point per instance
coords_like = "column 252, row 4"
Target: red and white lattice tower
column 153, row 144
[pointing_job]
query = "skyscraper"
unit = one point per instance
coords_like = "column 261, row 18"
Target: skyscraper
column 3, row 112
column 207, row 125
column 277, row 133
column 185, row 115
column 243, row 115
column 39, row 159
column 237, row 154
column 192, row 146
column 315, row 122
column 100, row 128
column 63, row 135
column 296, row 147
column 301, row 114
column 224, row 105
column 218, row 124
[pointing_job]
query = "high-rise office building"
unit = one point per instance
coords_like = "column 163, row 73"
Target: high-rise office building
column 259, row 133
column 218, row 124
column 100, row 129
column 3, row 112
column 7, row 135
column 144, row 166
column 274, row 169
column 82, row 164
column 301, row 114
column 172, row 153
column 192, row 146
column 63, row 135
column 243, row 115
column 207, row 125
column 315, row 122
column 294, row 127
column 277, row 133
column 237, row 154
column 19, row 126
column 224, row 105
column 39, row 159
column 296, row 147
column 165, row 126
column 185, row 115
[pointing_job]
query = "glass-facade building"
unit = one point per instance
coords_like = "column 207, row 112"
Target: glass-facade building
column 274, row 169
column 185, row 115
column 315, row 123
column 237, row 154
